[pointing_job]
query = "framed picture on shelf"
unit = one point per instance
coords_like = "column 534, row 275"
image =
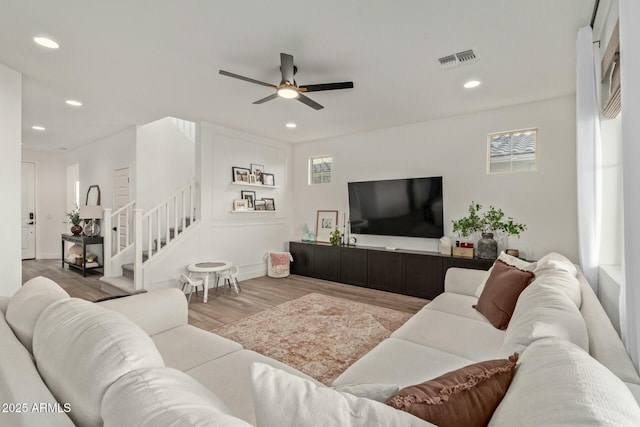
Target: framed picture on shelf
column 257, row 170
column 240, row 174
column 270, row 204
column 260, row 205
column 327, row 221
column 252, row 179
column 250, row 197
column 240, row 205
column 268, row 179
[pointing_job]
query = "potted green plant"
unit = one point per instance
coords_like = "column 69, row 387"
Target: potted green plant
column 335, row 238
column 487, row 223
column 74, row 218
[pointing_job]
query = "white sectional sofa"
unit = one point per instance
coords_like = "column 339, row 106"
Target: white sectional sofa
column 70, row 362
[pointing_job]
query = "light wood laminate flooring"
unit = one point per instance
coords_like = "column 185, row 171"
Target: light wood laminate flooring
column 225, row 306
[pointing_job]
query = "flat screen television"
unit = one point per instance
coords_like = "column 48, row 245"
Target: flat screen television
column 409, row 207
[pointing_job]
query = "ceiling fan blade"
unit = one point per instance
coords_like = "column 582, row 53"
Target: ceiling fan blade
column 310, row 102
column 326, row 86
column 246, row 79
column 268, row 98
column 286, row 67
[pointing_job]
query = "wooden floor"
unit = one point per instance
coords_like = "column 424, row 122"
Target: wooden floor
column 226, row 307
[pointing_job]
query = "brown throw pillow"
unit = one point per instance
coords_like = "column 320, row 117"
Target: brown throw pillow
column 465, row 397
column 501, row 292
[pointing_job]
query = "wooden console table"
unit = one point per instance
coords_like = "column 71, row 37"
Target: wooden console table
column 416, row 273
column 84, row 241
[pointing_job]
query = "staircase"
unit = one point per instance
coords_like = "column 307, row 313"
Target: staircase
column 141, row 237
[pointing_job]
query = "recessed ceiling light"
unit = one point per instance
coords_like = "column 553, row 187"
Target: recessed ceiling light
column 291, row 125
column 74, row 103
column 46, row 42
column 471, row 84
column 35, row 127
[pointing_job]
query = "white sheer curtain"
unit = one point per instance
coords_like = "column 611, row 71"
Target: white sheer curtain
column 588, row 152
column 630, row 86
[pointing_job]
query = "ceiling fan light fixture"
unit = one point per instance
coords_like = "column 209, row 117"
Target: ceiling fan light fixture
column 287, row 92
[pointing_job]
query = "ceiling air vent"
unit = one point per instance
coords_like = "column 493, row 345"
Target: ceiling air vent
column 456, row 59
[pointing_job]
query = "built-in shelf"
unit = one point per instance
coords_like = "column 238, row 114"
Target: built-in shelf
column 246, row 184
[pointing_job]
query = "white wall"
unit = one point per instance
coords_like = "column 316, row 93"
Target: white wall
column 242, row 238
column 10, row 137
column 455, row 148
column 51, row 197
column 99, row 159
column 166, row 162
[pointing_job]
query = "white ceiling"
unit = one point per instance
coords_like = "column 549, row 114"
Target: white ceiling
column 135, row 61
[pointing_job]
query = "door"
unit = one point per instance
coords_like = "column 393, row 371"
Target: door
column 28, row 215
column 121, row 197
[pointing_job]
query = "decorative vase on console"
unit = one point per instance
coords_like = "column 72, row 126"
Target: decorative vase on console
column 74, row 217
column 487, row 223
column 487, row 247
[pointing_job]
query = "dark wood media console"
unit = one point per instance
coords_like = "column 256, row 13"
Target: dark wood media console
column 407, row 272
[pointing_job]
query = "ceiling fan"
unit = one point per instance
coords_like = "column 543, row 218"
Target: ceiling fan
column 288, row 88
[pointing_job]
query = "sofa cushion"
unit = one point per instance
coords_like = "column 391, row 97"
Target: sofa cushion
column 474, row 340
column 511, row 260
column 27, row 303
column 557, row 383
column 228, row 378
column 21, row 384
column 544, row 311
column 563, row 281
column 465, row 397
column 460, row 305
column 555, row 262
column 186, row 347
column 163, row 397
column 81, row 349
column 377, row 392
column 400, row 362
column 303, row 403
column 500, row 294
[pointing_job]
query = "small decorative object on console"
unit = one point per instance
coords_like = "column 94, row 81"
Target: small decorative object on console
column 336, row 238
column 327, row 221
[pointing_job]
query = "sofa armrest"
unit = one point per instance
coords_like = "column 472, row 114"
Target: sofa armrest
column 4, row 303
column 155, row 311
column 464, row 281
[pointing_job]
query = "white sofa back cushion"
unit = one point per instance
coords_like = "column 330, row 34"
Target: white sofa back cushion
column 555, row 261
column 26, row 305
column 163, row 397
column 543, row 311
column 282, row 399
column 558, row 384
column 563, row 281
column 81, row 349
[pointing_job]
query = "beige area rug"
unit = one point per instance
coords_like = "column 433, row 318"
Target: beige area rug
column 317, row 334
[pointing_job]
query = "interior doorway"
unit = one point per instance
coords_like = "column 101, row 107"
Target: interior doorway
column 28, row 211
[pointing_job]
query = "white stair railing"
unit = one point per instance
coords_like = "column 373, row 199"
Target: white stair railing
column 120, row 221
column 153, row 230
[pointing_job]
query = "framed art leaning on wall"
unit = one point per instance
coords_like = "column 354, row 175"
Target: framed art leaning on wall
column 327, row 221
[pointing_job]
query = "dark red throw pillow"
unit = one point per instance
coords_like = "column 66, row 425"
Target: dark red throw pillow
column 501, row 292
column 464, row 397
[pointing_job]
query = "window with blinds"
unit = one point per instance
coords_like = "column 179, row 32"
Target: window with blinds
column 513, row 151
column 320, row 170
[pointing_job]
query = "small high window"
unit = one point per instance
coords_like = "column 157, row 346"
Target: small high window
column 513, row 151
column 320, row 169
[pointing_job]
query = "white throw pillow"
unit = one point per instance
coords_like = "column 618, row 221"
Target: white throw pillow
column 558, row 384
column 543, row 311
column 26, row 305
column 555, row 261
column 377, row 392
column 157, row 397
column 511, row 260
column 81, row 349
column 282, row 399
